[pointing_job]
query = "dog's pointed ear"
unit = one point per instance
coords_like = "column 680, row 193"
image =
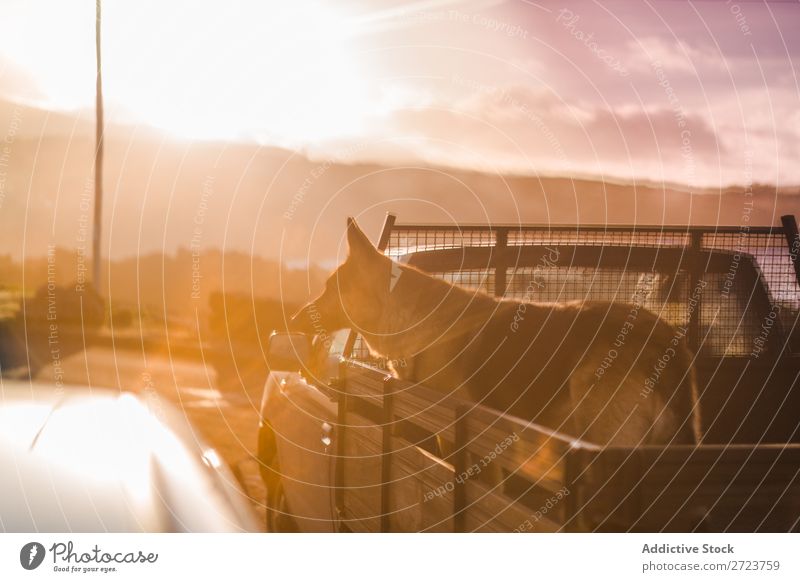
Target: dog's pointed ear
column 357, row 241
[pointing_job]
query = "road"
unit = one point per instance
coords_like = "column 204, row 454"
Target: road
column 227, row 420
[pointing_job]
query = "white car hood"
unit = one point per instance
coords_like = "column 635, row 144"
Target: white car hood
column 97, row 460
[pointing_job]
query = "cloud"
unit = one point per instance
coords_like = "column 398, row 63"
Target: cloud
column 675, row 56
column 524, row 130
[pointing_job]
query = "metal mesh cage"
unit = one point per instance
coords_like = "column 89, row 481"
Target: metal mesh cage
column 743, row 279
column 361, row 353
column 479, row 279
column 774, row 262
column 655, row 291
column 405, row 241
column 602, row 236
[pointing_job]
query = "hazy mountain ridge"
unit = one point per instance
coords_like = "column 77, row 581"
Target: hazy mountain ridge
column 214, row 215
column 164, row 195
column 171, row 285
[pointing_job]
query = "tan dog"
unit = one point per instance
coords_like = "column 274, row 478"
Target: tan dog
column 595, row 370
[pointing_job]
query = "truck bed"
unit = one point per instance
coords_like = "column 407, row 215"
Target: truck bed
column 542, row 480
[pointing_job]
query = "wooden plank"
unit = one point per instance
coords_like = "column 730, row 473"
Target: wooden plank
column 361, row 477
column 365, row 383
column 428, row 409
column 490, row 511
column 421, row 491
column 363, row 440
column 353, row 516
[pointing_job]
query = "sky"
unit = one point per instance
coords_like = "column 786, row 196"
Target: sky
column 698, row 93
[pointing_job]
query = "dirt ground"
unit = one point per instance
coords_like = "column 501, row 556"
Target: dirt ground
column 226, row 419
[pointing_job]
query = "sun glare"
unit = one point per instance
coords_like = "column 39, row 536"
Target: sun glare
column 281, row 72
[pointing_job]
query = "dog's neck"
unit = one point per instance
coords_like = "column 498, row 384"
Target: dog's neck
column 420, row 311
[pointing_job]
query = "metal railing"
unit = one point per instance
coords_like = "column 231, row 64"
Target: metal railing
column 749, row 276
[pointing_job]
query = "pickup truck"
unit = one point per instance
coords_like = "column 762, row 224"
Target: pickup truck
column 346, row 446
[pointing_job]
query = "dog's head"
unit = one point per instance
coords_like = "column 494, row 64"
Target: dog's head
column 355, row 294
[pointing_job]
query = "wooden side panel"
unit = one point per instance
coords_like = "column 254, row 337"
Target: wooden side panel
column 735, row 489
column 742, row 488
column 526, row 450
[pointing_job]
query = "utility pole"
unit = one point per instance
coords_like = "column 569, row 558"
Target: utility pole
column 98, row 156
